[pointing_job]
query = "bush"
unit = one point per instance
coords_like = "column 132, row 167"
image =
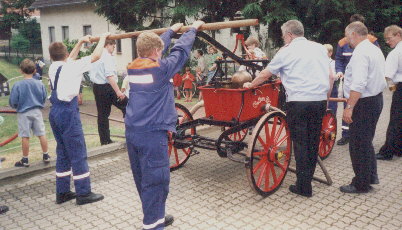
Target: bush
column 20, row 44
column 16, row 60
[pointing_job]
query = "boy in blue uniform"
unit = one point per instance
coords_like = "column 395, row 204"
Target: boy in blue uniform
column 65, row 76
column 28, row 98
column 150, row 114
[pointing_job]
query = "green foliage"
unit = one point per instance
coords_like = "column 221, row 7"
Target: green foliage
column 31, row 31
column 20, row 43
column 70, row 46
column 324, row 20
column 156, row 13
column 14, row 13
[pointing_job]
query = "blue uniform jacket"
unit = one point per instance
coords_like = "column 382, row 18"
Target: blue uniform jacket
column 344, row 53
column 151, row 104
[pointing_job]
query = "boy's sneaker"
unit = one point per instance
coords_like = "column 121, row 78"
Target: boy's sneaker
column 22, row 163
column 46, row 158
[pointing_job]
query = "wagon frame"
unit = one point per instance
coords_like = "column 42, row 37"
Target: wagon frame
column 268, row 152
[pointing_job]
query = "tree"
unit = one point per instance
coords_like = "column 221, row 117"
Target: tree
column 14, row 13
column 324, row 20
column 31, row 31
column 19, row 43
column 161, row 12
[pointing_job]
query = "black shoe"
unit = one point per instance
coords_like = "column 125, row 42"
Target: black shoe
column 352, row 189
column 3, row 209
column 343, row 141
column 106, row 143
column 90, row 198
column 22, row 163
column 64, row 197
column 168, row 220
column 383, row 157
column 294, row 189
column 374, row 180
column 2, row 159
column 46, row 158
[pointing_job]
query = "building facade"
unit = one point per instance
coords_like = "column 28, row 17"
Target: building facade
column 63, row 19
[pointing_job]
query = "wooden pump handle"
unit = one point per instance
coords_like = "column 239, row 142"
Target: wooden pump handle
column 206, row 26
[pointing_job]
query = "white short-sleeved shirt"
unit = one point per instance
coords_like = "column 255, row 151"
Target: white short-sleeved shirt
column 365, row 72
column 70, row 76
column 304, row 70
column 259, row 54
column 202, row 65
column 393, row 64
column 103, row 68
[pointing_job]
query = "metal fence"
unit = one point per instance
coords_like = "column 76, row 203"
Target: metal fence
column 15, row 56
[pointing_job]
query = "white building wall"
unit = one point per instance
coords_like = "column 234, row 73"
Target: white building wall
column 76, row 17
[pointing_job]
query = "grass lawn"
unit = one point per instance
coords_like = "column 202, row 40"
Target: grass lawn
column 9, row 127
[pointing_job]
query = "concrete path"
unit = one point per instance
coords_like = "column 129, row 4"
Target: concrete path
column 210, row 192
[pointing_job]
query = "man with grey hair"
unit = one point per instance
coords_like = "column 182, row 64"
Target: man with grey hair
column 364, row 83
column 305, row 74
column 393, row 71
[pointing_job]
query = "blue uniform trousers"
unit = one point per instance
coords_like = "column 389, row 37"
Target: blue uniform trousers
column 148, row 154
column 365, row 117
column 71, row 150
column 333, row 105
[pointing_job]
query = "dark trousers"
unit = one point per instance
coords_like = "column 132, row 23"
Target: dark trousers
column 305, row 122
column 105, row 97
column 365, row 117
column 393, row 142
column 149, row 161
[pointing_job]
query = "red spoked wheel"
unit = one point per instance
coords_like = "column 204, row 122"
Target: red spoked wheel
column 328, row 135
column 179, row 153
column 238, row 136
column 269, row 152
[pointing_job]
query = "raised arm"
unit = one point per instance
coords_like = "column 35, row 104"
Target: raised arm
column 96, row 55
column 167, row 36
column 181, row 50
column 76, row 50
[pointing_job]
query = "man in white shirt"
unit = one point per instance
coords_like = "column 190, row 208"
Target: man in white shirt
column 304, row 71
column 107, row 93
column 364, row 83
column 393, row 71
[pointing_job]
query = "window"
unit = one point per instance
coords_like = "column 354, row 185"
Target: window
column 87, row 30
column 52, row 36
column 65, row 33
column 118, row 46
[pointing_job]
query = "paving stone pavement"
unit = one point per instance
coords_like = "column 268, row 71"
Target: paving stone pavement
column 210, row 192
